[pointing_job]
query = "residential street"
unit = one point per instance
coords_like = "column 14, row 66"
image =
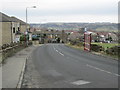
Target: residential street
column 59, row 66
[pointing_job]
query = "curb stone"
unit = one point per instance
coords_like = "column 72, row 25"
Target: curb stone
column 21, row 75
column 23, row 70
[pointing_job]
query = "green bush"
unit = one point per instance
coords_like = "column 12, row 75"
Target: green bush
column 113, row 50
column 96, row 48
column 24, row 37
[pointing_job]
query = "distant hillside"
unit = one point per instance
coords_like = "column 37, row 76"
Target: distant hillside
column 76, row 26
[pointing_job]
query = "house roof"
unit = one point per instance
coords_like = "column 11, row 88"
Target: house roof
column 14, row 19
column 100, row 32
column 4, row 18
column 103, row 33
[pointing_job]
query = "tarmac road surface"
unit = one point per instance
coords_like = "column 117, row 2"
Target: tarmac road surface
column 60, row 66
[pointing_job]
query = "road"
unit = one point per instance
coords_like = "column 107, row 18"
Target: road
column 60, row 66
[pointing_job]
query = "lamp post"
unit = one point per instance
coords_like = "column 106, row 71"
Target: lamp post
column 27, row 24
column 27, row 15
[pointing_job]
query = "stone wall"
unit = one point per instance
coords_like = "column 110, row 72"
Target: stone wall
column 8, row 50
column 23, row 28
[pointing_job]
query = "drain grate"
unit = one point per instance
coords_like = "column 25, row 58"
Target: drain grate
column 80, row 82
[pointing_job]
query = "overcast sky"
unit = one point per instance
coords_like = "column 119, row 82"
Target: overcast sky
column 62, row 10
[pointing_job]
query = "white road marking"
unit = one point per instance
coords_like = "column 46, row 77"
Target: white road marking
column 56, row 50
column 61, row 54
column 80, row 82
column 102, row 70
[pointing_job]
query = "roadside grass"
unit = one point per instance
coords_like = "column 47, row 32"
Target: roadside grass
column 75, row 46
column 107, row 45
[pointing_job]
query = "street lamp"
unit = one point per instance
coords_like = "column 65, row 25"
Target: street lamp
column 27, row 14
column 26, row 33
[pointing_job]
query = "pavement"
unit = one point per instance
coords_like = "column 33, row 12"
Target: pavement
column 13, row 68
column 60, row 66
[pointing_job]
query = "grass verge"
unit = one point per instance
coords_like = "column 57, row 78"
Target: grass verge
column 75, row 46
column 106, row 45
column 97, row 53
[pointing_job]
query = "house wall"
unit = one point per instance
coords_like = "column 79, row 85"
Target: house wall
column 23, row 28
column 15, row 25
column 6, row 33
column 0, row 34
column 113, row 36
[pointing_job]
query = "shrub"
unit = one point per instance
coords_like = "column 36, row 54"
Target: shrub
column 72, row 42
column 113, row 50
column 96, row 48
column 24, row 38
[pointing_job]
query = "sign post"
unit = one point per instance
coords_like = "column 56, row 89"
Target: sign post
column 87, row 41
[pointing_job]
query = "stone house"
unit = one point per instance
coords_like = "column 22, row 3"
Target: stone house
column 5, row 29
column 10, row 29
column 23, row 25
column 15, row 31
column 22, row 29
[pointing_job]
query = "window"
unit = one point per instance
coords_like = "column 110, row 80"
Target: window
column 18, row 29
column 14, row 30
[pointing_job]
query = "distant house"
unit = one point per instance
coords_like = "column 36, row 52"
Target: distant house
column 104, row 36
column 82, row 30
column 113, row 36
column 51, row 35
column 74, row 36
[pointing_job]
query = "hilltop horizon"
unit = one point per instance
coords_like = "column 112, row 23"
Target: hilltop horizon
column 75, row 26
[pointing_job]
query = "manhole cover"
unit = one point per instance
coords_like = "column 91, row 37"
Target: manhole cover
column 80, row 82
